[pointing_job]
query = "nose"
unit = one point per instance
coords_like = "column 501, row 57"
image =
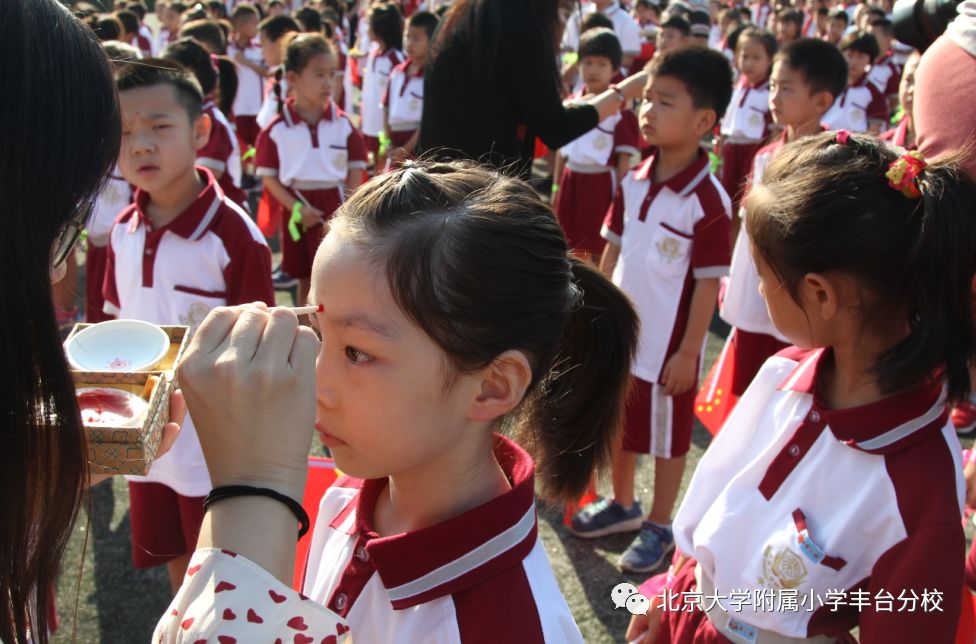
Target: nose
column 325, row 391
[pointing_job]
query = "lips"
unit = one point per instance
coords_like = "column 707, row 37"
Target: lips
column 328, row 439
column 147, row 169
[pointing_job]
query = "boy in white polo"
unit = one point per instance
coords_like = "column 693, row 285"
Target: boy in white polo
column 179, row 251
column 667, row 246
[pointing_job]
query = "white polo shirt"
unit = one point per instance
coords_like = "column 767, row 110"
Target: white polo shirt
column 273, row 100
column 250, row 84
column 747, row 118
column 404, row 98
column 222, row 152
column 793, row 499
column 617, row 134
column 670, row 234
column 760, row 14
column 115, row 196
column 627, row 30
column 299, row 153
column 376, row 77
column 743, row 306
column 211, row 255
column 855, row 107
column 885, row 75
column 481, row 576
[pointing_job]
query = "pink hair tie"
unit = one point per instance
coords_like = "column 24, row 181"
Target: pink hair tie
column 843, row 136
column 215, row 62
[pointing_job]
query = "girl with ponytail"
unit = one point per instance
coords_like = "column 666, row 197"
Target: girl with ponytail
column 839, row 470
column 465, row 357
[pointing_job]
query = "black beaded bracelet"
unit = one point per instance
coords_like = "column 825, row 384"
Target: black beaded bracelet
column 228, row 491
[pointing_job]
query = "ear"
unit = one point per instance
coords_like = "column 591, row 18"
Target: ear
column 819, row 294
column 291, row 77
column 201, row 131
column 823, row 101
column 707, row 118
column 503, row 386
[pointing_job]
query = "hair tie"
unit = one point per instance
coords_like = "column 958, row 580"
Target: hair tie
column 903, row 173
column 843, row 136
column 215, row 62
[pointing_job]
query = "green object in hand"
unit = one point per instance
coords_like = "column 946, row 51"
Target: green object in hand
column 295, row 221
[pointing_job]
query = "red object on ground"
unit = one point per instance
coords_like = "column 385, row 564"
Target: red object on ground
column 571, row 508
column 322, row 473
column 715, row 400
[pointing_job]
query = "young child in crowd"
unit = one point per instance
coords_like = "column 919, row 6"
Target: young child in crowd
column 271, row 31
column 386, row 31
column 310, row 155
column 590, row 167
column 807, row 76
column 745, row 126
column 667, row 246
column 838, row 474
column 837, row 23
column 403, row 100
column 222, row 153
column 245, row 51
column 179, row 251
column 885, row 74
column 860, row 107
column 903, row 134
column 789, row 26
column 673, row 33
column 170, row 14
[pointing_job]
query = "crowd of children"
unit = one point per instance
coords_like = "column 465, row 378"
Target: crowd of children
column 767, row 177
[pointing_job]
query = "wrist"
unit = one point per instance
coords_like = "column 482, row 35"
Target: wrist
column 621, row 96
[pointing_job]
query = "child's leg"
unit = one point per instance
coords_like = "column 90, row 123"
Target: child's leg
column 624, row 468
column 667, row 482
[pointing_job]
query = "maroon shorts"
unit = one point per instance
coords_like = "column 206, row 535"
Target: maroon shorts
column 95, row 261
column 657, row 424
column 247, row 130
column 400, row 139
column 581, row 206
column 749, row 352
column 165, row 525
column 297, row 256
column 736, row 166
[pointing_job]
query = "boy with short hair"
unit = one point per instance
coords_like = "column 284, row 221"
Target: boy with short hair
column 860, row 107
column 885, row 74
column 403, row 100
column 807, row 75
column 673, row 33
column 245, row 51
column 667, row 235
column 181, row 249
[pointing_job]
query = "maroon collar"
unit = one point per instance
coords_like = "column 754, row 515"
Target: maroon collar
column 292, row 117
column 417, row 567
column 195, row 220
column 683, row 182
column 405, row 67
column 881, row 427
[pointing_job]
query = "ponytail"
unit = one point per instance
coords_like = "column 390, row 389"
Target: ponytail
column 226, row 83
column 574, row 418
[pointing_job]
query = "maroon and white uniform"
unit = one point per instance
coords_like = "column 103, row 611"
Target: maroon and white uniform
column 744, row 129
column 856, row 107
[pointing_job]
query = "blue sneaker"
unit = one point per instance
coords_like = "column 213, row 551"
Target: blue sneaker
column 604, row 517
column 650, row 549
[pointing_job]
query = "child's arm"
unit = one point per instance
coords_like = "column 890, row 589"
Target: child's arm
column 354, row 179
column 608, row 261
column 557, row 173
column 679, row 374
column 310, row 214
column 241, row 59
column 874, row 126
column 623, row 164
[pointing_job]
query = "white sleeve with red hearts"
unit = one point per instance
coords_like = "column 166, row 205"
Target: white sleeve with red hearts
column 226, row 598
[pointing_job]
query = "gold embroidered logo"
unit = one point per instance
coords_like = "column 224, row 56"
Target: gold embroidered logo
column 669, row 249
column 195, row 315
column 600, row 143
column 413, row 105
column 782, row 569
column 339, row 161
column 755, row 120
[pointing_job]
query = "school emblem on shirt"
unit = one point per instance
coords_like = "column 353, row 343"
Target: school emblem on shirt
column 195, row 315
column 414, row 105
column 669, row 249
column 782, row 568
column 339, row 161
column 755, row 120
column 601, row 143
column 857, row 115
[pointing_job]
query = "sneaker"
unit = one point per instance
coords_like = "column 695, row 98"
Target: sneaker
column 604, row 517
column 964, row 417
column 649, row 550
column 283, row 280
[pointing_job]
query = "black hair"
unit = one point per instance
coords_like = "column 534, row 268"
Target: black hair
column 196, row 12
column 276, row 27
column 121, row 52
column 178, row 7
column 595, row 20
column 309, row 19
column 840, row 14
column 732, row 40
column 84, row 10
column 822, row 64
column 706, row 75
column 763, row 36
column 679, row 23
column 826, row 206
column 299, row 49
column 885, row 25
column 276, row 3
column 129, row 20
column 245, row 10
column 212, row 72
column 878, row 12
column 452, row 238
column 208, row 33
column 863, row 42
column 424, row 20
column 601, row 42
column 61, row 138
column 150, row 72
column 746, row 14
column 106, row 27
column 218, row 7
column 792, row 16
column 137, row 8
column 386, row 23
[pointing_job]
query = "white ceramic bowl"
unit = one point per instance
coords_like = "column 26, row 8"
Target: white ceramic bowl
column 108, row 407
column 117, row 345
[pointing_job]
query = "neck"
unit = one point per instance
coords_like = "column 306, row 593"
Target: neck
column 242, row 41
column 597, row 88
column 807, row 128
column 310, row 111
column 848, row 380
column 450, row 485
column 669, row 161
column 166, row 204
column 417, row 63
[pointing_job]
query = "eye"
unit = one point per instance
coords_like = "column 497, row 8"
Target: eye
column 356, row 356
column 161, row 126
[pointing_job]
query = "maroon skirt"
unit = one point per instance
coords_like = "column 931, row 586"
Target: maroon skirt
column 297, row 256
column 736, row 165
column 581, row 206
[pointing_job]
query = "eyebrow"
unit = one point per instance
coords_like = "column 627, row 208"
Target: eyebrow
column 364, row 322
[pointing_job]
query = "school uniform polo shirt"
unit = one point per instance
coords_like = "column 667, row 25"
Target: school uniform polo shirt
column 885, row 75
column 250, row 84
column 301, row 153
column 747, row 118
column 617, row 134
column 210, row 255
column 670, row 234
column 404, row 97
column 624, row 26
column 481, row 576
column 222, row 152
column 796, row 501
column 376, row 77
column 760, row 14
column 856, row 107
column 743, row 306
